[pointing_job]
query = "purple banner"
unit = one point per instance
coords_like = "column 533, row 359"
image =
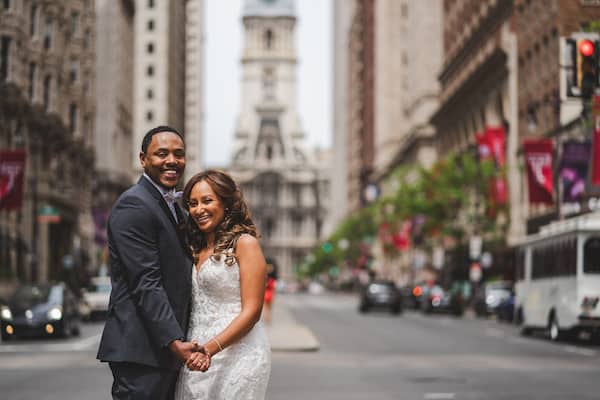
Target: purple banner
column 100, row 216
column 573, row 170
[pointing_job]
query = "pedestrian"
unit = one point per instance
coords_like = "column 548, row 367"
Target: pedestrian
column 150, row 264
column 269, row 291
column 227, row 295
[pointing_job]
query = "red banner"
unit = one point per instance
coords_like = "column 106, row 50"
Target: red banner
column 491, row 147
column 12, row 170
column 401, row 239
column 538, row 156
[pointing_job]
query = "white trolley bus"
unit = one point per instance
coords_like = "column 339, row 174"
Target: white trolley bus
column 558, row 278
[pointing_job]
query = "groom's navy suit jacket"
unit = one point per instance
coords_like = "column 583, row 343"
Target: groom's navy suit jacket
column 151, row 267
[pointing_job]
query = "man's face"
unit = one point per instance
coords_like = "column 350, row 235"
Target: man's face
column 164, row 160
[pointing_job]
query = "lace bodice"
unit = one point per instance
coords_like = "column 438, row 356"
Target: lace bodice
column 242, row 370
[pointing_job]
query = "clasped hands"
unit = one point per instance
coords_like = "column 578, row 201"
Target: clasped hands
column 195, row 356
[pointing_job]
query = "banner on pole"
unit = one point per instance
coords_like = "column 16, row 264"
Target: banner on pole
column 538, row 157
column 573, row 170
column 12, row 171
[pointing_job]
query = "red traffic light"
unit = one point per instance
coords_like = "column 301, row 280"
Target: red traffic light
column 586, row 47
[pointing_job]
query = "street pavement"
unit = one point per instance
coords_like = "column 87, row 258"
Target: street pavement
column 323, row 349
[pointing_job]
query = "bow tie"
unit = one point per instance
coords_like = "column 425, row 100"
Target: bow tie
column 172, row 196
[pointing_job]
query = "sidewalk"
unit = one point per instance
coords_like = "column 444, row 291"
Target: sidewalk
column 286, row 334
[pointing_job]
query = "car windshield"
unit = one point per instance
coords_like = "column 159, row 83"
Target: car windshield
column 26, row 296
column 380, row 287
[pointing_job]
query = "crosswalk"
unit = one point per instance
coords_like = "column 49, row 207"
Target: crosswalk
column 80, row 344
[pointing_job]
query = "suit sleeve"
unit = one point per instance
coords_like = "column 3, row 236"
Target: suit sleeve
column 136, row 240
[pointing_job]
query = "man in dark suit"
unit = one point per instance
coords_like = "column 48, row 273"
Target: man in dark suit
column 151, row 267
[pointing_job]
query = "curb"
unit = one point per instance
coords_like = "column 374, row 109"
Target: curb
column 286, row 334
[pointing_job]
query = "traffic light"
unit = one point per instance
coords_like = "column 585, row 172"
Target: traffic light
column 586, row 65
column 579, row 61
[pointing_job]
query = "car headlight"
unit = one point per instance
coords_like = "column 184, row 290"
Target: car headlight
column 5, row 313
column 55, row 313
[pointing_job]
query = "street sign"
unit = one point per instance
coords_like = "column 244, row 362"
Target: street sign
column 486, row 259
column 475, row 247
column 475, row 273
column 48, row 214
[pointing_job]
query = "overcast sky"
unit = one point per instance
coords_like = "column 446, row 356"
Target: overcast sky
column 224, row 32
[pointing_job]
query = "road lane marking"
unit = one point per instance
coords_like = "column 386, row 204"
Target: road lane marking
column 494, row 332
column 80, row 345
column 439, row 396
column 580, row 351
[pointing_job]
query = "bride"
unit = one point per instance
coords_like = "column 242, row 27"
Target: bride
column 228, row 284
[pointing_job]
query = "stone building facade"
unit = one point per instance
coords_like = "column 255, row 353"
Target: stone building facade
column 114, row 108
column 360, row 125
column 343, row 12
column 47, row 109
column 286, row 187
column 540, row 25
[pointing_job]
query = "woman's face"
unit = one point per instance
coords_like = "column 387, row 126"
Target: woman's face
column 206, row 208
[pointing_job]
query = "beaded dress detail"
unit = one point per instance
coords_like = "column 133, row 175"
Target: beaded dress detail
column 242, row 370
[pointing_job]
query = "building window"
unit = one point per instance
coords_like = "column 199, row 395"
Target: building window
column 149, row 116
column 4, row 58
column 149, row 94
column 150, row 25
column 33, row 20
column 150, row 3
column 269, row 38
column 6, row 4
column 73, row 117
column 150, row 70
column 48, row 34
column 73, row 71
column 47, row 88
column 74, row 23
column 86, row 39
column 150, row 48
column 32, row 80
column 404, row 10
column 87, row 126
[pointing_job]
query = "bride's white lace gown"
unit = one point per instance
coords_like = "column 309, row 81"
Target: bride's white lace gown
column 242, row 370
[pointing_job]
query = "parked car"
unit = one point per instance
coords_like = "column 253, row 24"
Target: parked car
column 436, row 299
column 35, row 310
column 94, row 302
column 491, row 296
column 506, row 309
column 380, row 294
column 419, row 293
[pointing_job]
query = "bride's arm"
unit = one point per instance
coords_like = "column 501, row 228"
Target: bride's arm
column 253, row 273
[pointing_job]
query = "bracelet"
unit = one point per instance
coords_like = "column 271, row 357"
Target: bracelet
column 218, row 344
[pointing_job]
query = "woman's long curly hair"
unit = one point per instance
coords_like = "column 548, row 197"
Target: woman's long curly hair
column 236, row 220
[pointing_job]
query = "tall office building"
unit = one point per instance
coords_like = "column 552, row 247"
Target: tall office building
column 159, row 68
column 194, row 82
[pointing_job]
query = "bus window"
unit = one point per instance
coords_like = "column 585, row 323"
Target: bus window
column 521, row 264
column 591, row 256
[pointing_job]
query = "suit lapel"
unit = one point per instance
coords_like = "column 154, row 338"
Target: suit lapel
column 179, row 227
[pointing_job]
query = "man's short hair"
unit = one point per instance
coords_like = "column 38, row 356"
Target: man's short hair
column 159, row 129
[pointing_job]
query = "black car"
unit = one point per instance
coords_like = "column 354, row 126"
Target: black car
column 438, row 300
column 491, row 297
column 40, row 310
column 381, row 294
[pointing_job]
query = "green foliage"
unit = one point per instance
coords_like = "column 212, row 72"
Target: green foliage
column 440, row 194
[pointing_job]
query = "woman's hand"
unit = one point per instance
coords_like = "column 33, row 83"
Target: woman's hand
column 198, row 361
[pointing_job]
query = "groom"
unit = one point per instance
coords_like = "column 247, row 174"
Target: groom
column 151, row 267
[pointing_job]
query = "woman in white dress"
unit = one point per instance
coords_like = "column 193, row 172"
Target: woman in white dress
column 227, row 295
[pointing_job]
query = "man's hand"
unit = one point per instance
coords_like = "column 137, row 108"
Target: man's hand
column 198, row 362
column 183, row 350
